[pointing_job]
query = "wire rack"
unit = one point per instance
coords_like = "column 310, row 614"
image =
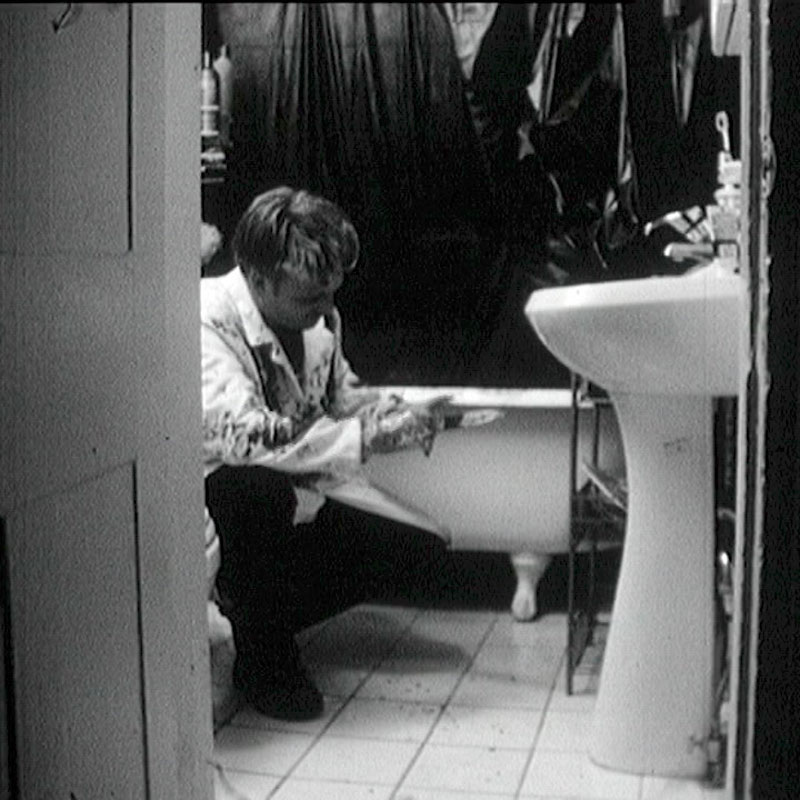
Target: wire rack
column 598, row 509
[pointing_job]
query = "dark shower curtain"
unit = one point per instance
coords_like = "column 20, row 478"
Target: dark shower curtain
column 446, row 177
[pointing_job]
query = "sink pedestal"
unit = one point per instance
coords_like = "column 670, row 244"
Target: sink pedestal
column 654, row 702
column 662, row 347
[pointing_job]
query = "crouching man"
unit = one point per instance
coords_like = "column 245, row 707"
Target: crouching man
column 282, row 413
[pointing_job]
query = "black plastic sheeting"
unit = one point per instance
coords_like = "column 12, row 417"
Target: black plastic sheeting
column 467, row 194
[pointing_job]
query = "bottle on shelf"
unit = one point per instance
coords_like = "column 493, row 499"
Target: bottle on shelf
column 223, row 66
column 209, row 100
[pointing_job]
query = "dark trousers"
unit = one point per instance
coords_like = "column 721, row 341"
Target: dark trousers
column 276, row 578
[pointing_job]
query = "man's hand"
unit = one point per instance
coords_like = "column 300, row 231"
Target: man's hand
column 391, row 425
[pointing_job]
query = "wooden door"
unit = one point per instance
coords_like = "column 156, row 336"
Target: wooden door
column 100, row 473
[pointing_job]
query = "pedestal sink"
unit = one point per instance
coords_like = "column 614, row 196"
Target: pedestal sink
column 662, row 347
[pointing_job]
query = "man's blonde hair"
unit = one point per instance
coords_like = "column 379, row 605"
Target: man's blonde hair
column 286, row 230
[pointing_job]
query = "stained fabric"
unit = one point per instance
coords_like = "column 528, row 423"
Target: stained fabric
column 580, row 133
column 469, row 23
column 684, row 21
column 551, row 79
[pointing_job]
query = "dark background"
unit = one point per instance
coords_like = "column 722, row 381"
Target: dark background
column 367, row 104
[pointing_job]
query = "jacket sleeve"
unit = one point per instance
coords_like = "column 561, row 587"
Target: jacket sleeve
column 240, row 429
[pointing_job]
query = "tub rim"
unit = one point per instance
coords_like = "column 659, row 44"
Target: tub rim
column 494, row 397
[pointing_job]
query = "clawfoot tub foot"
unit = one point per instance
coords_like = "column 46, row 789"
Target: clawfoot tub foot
column 529, row 568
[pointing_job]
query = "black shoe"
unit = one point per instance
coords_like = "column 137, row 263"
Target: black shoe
column 290, row 698
column 278, row 688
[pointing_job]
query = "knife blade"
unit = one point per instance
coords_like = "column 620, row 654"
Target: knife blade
column 471, row 419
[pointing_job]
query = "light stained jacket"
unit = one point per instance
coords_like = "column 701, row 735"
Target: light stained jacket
column 257, row 411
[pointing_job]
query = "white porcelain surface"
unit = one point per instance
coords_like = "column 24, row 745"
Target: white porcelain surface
column 662, row 347
column 464, row 726
column 379, row 762
column 654, row 704
column 302, row 789
column 502, row 487
column 487, row 769
column 568, row 775
column 657, row 335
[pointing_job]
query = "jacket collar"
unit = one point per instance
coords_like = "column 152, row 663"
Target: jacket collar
column 255, row 329
column 318, row 342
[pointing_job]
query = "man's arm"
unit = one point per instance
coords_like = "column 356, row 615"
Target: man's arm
column 239, row 428
column 388, row 423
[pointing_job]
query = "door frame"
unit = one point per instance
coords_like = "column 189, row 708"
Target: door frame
column 764, row 738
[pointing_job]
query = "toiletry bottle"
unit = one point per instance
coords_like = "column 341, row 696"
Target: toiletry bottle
column 223, row 66
column 725, row 214
column 209, row 99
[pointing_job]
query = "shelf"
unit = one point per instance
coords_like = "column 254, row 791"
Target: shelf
column 598, row 510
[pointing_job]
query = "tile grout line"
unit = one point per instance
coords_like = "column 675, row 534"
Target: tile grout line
column 540, row 726
column 442, row 708
column 315, row 739
column 221, row 769
column 595, row 668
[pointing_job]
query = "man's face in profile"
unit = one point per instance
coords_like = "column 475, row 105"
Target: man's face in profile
column 297, row 301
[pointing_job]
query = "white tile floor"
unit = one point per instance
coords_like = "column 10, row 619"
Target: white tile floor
column 434, row 705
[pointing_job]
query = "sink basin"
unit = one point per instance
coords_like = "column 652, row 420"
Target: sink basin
column 678, row 334
column 663, row 348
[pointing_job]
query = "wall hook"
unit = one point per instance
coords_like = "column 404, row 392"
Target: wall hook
column 66, row 17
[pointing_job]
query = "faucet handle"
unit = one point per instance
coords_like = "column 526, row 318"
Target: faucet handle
column 729, row 170
column 722, row 124
column 689, row 251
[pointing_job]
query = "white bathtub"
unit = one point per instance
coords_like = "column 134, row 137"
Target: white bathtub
column 503, row 486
